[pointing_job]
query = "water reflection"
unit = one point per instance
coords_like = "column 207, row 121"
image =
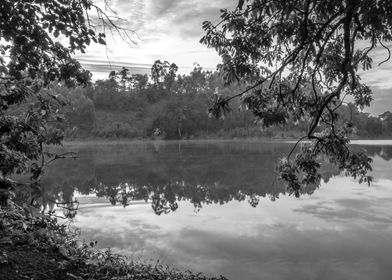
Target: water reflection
column 342, row 231
column 164, row 174
column 382, row 151
column 165, row 198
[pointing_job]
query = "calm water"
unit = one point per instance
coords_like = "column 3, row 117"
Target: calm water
column 216, row 208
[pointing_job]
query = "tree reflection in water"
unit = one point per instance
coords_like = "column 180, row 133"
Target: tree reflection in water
column 167, row 174
column 164, row 198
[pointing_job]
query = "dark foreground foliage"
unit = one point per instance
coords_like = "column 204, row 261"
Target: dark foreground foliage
column 299, row 60
column 35, row 246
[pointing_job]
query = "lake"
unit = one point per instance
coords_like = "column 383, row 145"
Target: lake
column 216, row 207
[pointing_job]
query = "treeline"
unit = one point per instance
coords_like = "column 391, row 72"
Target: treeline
column 167, row 105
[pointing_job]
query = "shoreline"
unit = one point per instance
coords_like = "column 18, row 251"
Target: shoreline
column 125, row 141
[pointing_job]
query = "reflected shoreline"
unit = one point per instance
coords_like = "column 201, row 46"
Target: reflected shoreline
column 164, row 172
column 343, row 228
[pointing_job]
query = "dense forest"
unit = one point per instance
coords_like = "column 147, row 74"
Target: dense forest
column 166, row 105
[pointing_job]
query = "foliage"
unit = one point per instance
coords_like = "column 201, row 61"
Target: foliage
column 163, row 73
column 298, row 61
column 37, row 41
column 127, row 81
column 79, row 113
column 120, row 107
column 55, row 252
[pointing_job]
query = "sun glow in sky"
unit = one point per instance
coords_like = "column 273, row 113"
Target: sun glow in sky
column 171, row 29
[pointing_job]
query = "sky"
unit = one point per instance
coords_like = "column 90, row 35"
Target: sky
column 171, row 29
column 165, row 29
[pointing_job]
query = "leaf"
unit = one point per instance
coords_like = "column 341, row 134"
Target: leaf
column 6, row 240
column 35, row 212
column 63, row 251
column 101, row 41
column 3, row 258
column 240, row 4
column 112, row 74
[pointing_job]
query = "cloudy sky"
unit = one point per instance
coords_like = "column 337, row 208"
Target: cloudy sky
column 165, row 29
column 171, row 29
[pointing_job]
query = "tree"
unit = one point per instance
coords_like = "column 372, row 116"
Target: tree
column 299, row 59
column 163, row 74
column 129, row 81
column 37, row 40
column 80, row 112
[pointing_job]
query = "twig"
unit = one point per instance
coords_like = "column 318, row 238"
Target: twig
column 295, row 146
column 389, row 52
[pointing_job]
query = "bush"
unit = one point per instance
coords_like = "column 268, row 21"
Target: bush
column 117, row 130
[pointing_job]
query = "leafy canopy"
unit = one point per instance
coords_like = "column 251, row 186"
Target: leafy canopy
column 299, row 59
column 37, row 40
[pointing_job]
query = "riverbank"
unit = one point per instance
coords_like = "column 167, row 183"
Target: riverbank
column 36, row 246
column 101, row 141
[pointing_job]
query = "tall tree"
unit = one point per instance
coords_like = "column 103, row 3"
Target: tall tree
column 37, row 40
column 299, row 59
column 163, row 73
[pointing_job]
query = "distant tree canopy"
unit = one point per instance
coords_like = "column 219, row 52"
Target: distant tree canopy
column 299, row 59
column 37, row 40
column 127, row 105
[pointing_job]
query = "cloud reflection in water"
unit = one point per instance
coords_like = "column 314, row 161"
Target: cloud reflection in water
column 342, row 231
